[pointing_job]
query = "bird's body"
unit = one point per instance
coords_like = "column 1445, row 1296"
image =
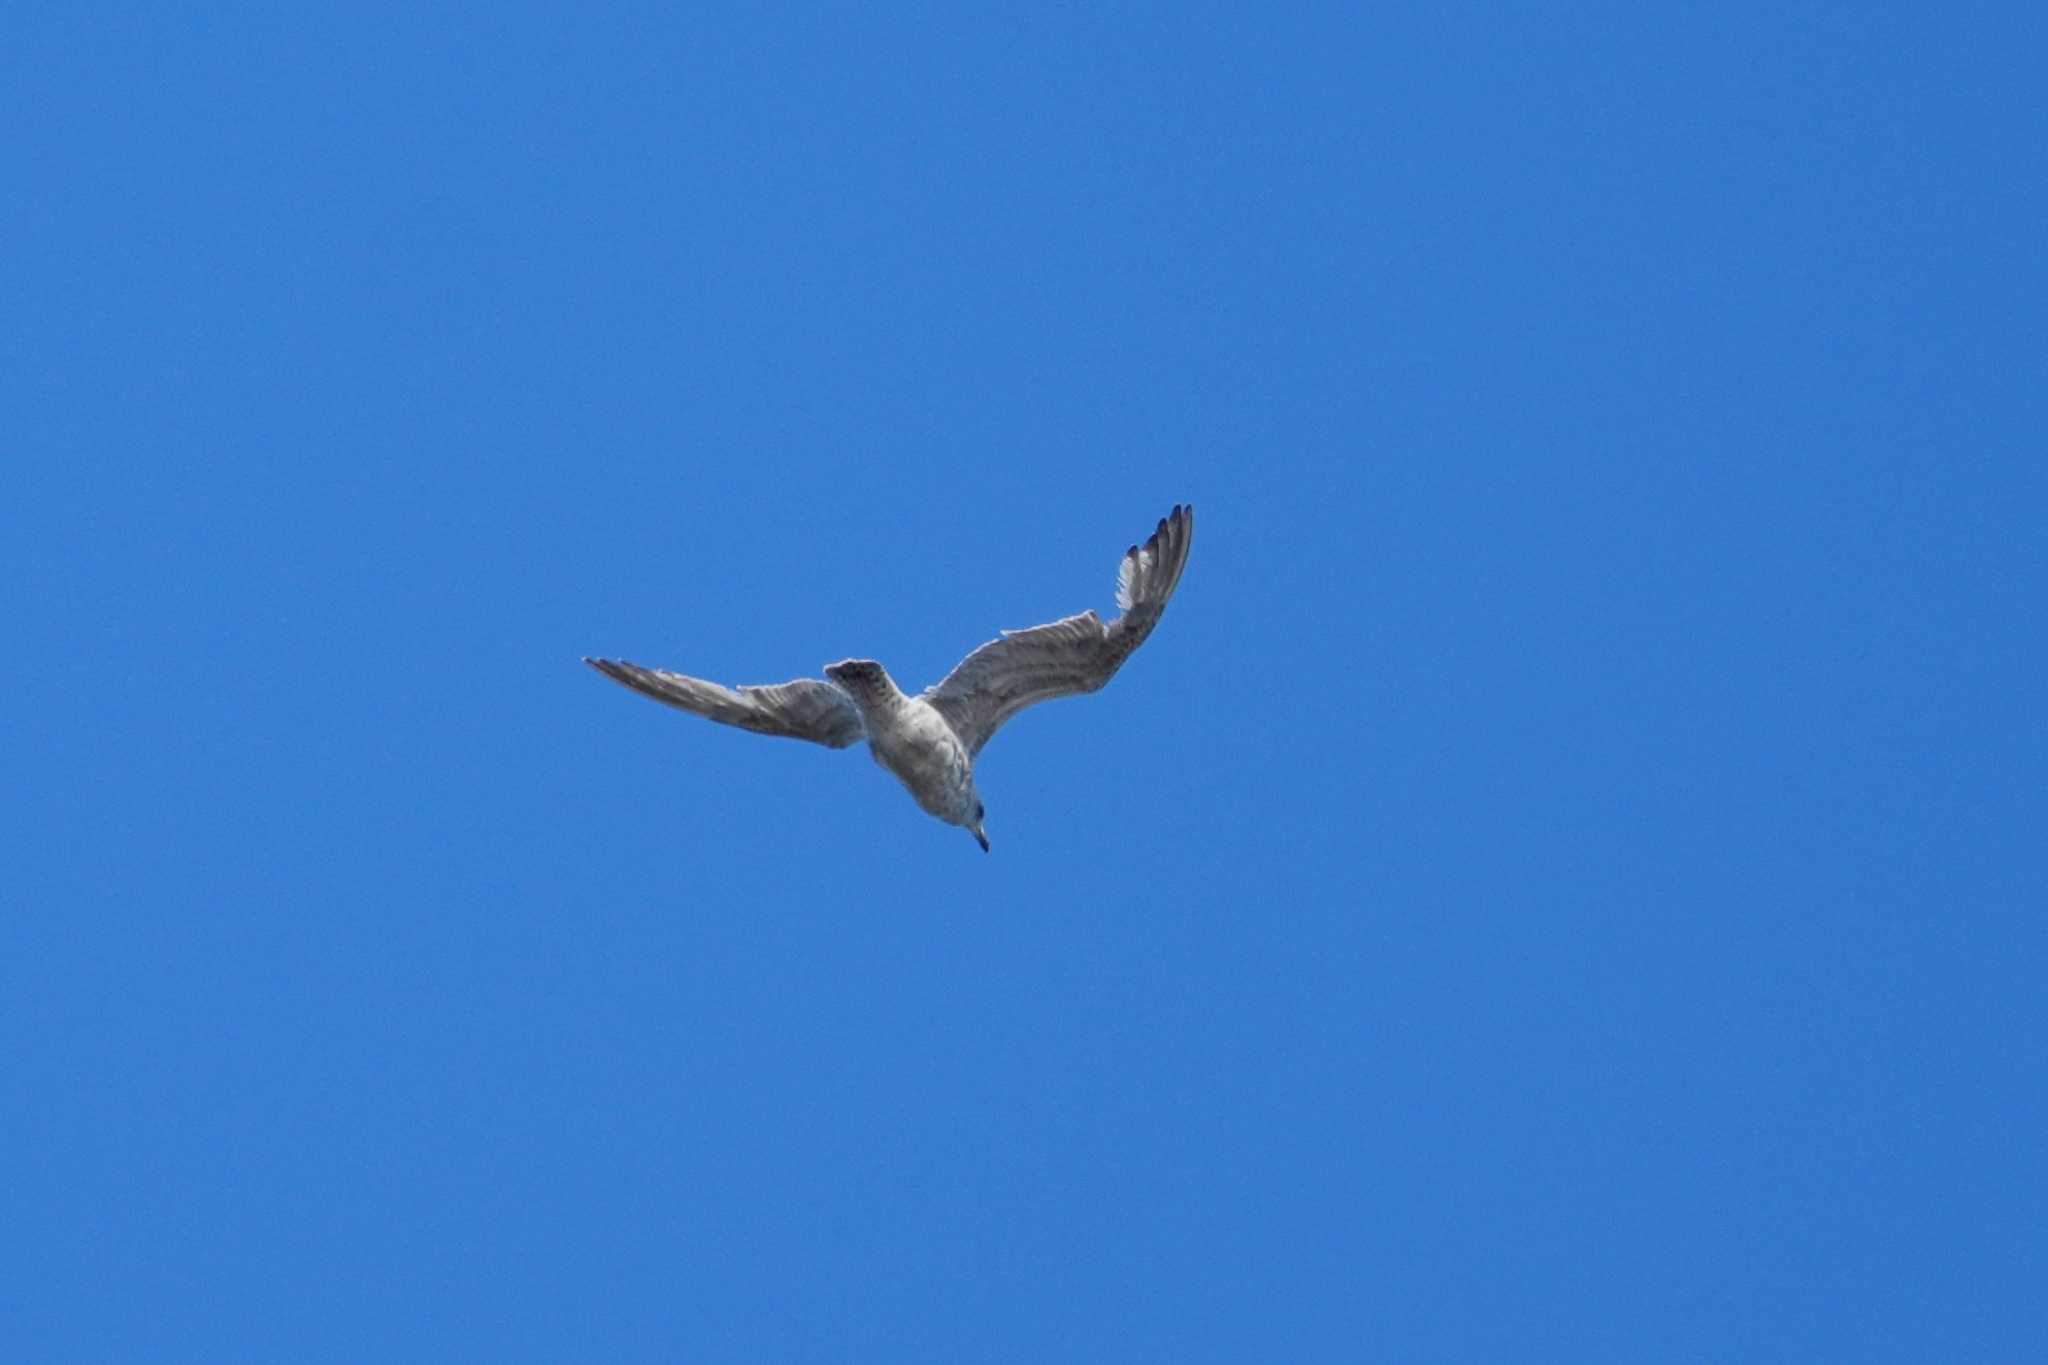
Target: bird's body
column 909, row 737
column 930, row 741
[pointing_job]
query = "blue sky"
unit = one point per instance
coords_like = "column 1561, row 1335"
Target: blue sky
column 1563, row 882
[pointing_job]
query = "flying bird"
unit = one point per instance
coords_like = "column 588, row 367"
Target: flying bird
column 931, row 741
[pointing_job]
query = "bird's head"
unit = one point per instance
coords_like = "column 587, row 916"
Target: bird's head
column 974, row 826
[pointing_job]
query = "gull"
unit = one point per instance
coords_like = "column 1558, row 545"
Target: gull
column 931, row 741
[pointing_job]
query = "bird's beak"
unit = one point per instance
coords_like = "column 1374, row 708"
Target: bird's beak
column 979, row 838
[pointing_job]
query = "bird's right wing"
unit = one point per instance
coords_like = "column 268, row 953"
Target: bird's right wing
column 808, row 708
column 1063, row 658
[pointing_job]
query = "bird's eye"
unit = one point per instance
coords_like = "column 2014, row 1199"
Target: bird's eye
column 979, row 810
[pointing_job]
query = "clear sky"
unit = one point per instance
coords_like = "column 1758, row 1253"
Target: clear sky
column 1563, row 883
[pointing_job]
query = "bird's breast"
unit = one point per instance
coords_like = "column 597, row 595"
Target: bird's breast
column 915, row 743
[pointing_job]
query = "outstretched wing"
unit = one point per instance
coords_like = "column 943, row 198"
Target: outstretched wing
column 1078, row 654
column 809, row 708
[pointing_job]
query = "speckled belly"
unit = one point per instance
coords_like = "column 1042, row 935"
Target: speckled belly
column 931, row 764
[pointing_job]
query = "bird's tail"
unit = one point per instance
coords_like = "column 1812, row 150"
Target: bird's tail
column 866, row 681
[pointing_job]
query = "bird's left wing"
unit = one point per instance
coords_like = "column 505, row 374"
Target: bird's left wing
column 808, row 708
column 1078, row 654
